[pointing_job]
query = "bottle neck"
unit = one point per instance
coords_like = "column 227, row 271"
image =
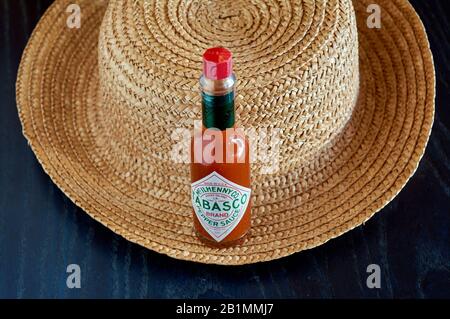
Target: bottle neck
column 218, row 103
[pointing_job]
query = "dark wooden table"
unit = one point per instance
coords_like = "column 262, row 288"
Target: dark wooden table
column 41, row 231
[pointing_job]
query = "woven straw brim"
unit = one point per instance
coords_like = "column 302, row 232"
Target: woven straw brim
column 58, row 101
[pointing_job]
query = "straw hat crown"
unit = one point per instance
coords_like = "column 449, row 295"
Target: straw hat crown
column 296, row 64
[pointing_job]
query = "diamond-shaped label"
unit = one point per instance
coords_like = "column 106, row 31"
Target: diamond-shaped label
column 219, row 204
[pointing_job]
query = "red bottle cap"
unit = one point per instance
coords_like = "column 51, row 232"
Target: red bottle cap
column 217, row 63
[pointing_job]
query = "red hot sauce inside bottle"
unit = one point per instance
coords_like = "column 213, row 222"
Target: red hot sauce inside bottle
column 220, row 161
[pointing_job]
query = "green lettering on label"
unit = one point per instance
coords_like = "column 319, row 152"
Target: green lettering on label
column 219, row 204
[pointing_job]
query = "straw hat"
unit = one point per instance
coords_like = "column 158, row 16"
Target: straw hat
column 354, row 106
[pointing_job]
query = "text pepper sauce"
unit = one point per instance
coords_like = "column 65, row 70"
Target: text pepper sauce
column 220, row 161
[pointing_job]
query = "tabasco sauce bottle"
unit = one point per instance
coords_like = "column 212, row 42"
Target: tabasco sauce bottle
column 220, row 164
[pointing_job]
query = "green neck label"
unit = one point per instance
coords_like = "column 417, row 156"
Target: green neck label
column 218, row 111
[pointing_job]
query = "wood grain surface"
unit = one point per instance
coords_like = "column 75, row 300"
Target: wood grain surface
column 41, row 231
